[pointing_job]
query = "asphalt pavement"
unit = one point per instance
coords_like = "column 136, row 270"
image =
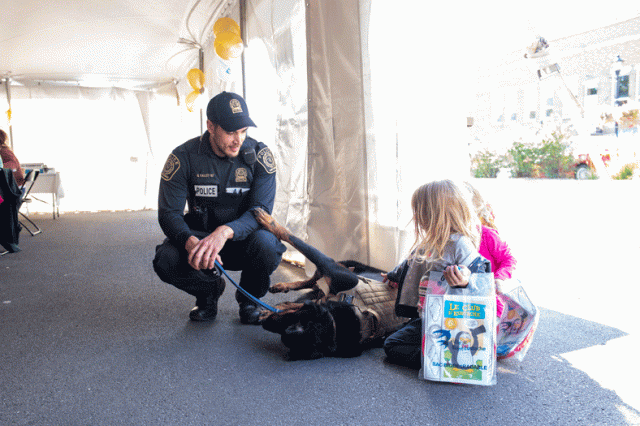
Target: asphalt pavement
column 90, row 336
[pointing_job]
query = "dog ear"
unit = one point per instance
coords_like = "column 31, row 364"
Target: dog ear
column 278, row 322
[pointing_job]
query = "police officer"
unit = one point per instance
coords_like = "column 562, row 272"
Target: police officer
column 221, row 176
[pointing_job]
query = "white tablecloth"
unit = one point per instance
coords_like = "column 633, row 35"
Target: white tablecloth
column 49, row 183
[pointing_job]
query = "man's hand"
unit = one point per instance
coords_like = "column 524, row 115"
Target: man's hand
column 457, row 276
column 203, row 253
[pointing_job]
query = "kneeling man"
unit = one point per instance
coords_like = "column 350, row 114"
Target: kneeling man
column 221, row 177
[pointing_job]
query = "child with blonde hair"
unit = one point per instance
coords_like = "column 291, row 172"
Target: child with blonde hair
column 457, row 224
column 448, row 235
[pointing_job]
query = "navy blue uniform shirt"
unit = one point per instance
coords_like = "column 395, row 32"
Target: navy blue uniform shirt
column 217, row 190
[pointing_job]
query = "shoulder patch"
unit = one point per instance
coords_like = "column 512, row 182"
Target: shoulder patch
column 170, row 167
column 265, row 158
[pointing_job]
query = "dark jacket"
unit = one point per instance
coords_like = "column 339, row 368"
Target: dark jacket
column 9, row 223
column 217, row 190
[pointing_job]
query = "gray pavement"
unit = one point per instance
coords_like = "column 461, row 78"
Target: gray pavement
column 90, row 336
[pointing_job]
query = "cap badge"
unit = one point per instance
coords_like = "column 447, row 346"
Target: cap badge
column 235, row 106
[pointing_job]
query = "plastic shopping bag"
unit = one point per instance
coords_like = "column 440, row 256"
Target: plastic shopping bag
column 459, row 330
column 518, row 323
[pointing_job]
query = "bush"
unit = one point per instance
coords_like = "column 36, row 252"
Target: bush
column 557, row 160
column 486, row 164
column 626, row 172
column 549, row 159
column 524, row 158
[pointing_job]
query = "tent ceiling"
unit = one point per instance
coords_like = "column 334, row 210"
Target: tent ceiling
column 116, row 40
column 136, row 40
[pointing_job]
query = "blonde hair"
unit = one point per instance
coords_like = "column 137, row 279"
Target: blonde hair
column 483, row 209
column 441, row 209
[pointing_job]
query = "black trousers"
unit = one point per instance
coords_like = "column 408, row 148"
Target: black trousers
column 403, row 346
column 257, row 257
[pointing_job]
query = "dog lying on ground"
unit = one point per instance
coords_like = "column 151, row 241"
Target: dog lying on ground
column 342, row 315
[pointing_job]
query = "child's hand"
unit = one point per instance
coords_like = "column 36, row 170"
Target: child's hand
column 385, row 279
column 457, row 276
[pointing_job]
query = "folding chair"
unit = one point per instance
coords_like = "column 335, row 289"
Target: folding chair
column 29, row 180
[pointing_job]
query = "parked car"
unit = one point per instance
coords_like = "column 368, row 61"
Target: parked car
column 584, row 167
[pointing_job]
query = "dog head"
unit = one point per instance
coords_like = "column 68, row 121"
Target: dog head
column 308, row 331
column 313, row 330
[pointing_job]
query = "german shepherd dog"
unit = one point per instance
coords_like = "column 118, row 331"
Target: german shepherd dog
column 334, row 318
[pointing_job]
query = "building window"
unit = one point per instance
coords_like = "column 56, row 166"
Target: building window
column 591, row 97
column 622, row 86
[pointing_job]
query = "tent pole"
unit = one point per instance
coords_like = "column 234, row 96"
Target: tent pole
column 7, row 82
column 201, row 67
column 243, row 35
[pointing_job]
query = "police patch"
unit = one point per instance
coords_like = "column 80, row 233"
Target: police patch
column 170, row 167
column 206, row 190
column 241, row 174
column 265, row 157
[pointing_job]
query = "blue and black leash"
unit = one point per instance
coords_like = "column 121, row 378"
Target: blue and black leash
column 245, row 292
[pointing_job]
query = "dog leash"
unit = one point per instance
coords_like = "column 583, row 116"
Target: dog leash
column 245, row 292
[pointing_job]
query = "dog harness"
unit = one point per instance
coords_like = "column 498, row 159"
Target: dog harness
column 374, row 303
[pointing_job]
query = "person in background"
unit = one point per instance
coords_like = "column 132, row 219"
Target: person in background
column 221, row 176
column 9, row 159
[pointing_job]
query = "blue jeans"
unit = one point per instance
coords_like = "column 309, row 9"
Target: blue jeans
column 403, row 346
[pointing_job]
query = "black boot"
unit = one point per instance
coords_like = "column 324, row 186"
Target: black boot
column 206, row 307
column 249, row 313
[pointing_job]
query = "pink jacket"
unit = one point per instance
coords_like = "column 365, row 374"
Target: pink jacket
column 497, row 252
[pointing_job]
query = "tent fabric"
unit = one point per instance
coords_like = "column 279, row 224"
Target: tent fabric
column 276, row 91
column 338, row 164
column 333, row 95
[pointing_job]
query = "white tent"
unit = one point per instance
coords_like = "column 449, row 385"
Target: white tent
column 361, row 101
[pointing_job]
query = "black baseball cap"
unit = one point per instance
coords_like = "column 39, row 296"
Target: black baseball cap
column 229, row 110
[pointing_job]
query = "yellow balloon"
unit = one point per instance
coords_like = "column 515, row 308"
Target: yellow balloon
column 226, row 25
column 190, row 100
column 195, row 77
column 228, row 45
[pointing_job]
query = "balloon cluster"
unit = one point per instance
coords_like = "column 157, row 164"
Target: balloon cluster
column 227, row 44
column 195, row 77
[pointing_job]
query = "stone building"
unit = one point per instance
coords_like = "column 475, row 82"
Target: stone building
column 525, row 98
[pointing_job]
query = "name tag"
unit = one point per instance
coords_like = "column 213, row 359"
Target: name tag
column 206, row 190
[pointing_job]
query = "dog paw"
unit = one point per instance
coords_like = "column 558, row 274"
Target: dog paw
column 264, row 219
column 269, row 223
column 279, row 288
column 264, row 315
